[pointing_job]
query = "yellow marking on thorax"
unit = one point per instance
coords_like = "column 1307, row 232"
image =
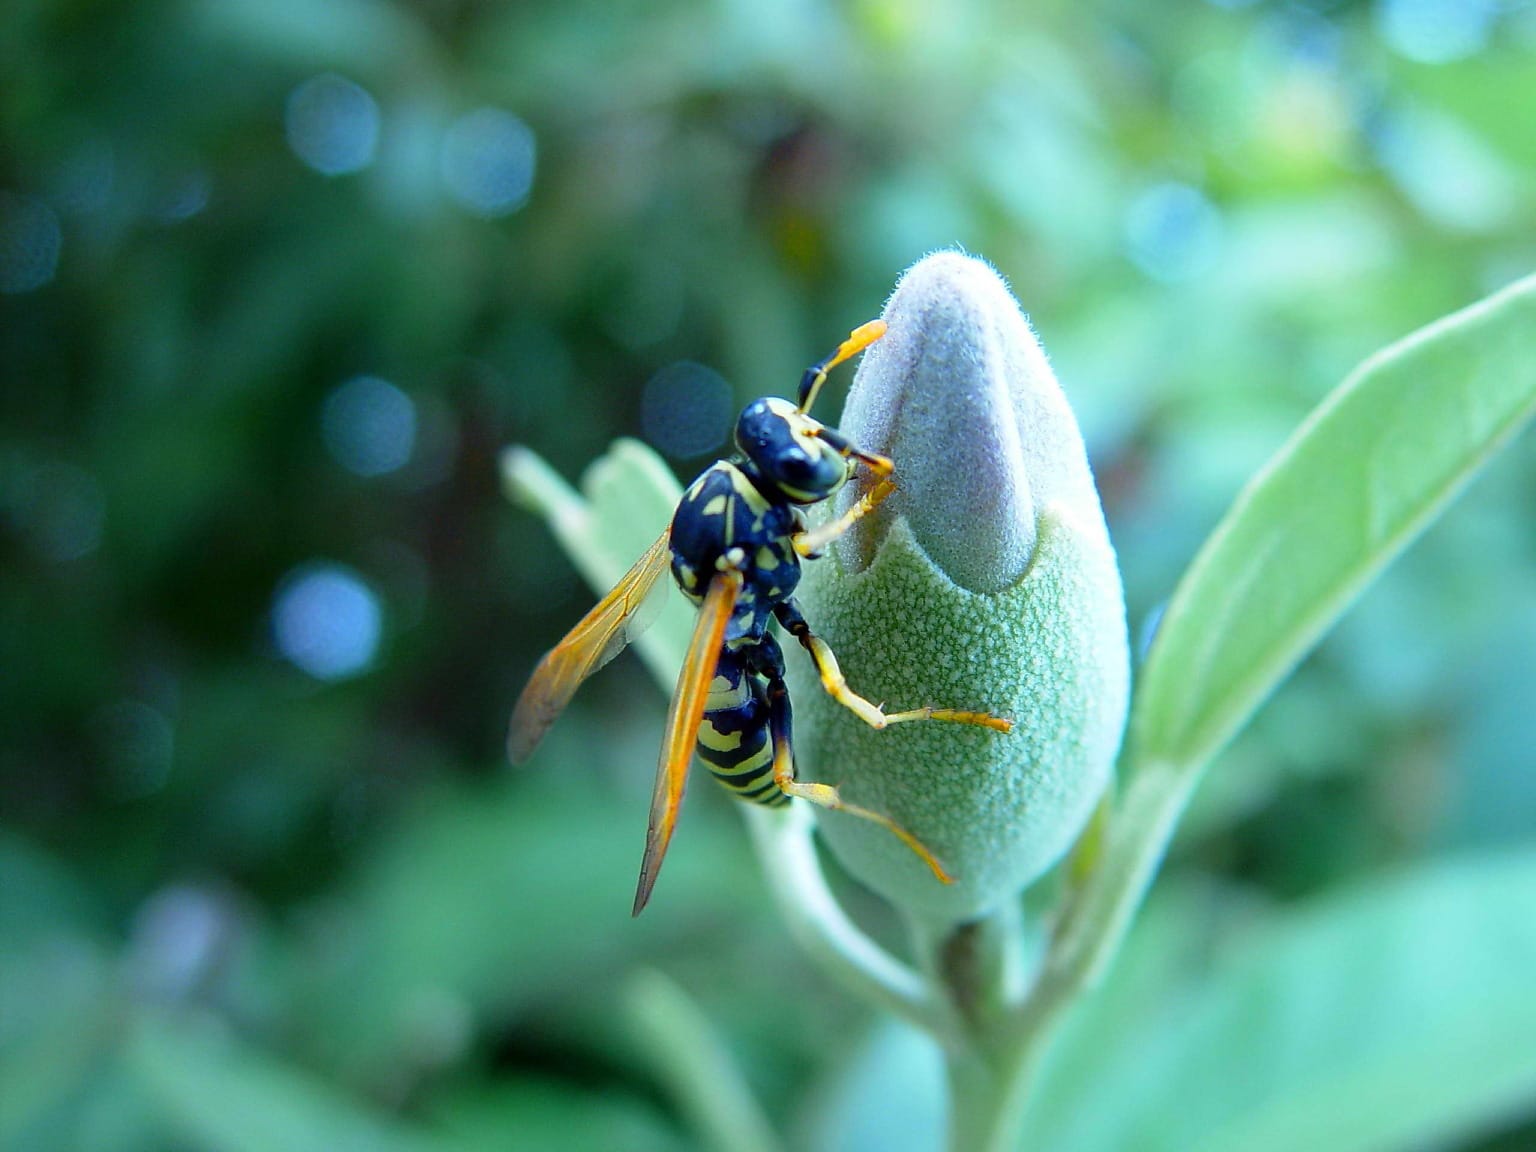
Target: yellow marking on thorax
column 756, row 503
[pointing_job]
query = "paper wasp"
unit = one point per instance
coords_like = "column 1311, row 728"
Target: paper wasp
column 734, row 547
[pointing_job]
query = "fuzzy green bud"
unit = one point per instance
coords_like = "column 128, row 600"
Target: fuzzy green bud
column 986, row 582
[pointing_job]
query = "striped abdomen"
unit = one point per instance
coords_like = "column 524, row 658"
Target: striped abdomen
column 734, row 737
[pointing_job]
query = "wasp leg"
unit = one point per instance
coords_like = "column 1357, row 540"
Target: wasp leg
column 825, row 795
column 881, row 466
column 793, row 621
column 811, row 542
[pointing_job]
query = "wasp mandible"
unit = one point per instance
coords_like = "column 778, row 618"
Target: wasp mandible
column 734, row 547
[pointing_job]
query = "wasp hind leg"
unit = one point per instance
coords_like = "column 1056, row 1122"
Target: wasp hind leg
column 832, row 679
column 826, row 795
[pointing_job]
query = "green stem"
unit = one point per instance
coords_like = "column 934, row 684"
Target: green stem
column 987, row 1098
column 983, row 967
column 1142, row 827
column 695, row 1068
column 820, row 926
column 981, row 964
column 991, row 1074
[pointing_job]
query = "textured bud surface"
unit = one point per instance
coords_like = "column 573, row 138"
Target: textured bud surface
column 961, row 396
column 987, row 582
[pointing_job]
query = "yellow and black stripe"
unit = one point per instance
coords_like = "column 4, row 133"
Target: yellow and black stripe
column 734, row 738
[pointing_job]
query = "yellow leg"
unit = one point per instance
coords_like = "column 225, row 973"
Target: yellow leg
column 836, row 685
column 813, row 541
column 881, row 466
column 826, row 796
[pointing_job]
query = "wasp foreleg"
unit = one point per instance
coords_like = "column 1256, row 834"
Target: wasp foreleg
column 836, row 686
column 812, row 541
column 881, row 466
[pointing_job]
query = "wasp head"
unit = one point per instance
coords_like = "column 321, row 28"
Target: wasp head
column 784, row 445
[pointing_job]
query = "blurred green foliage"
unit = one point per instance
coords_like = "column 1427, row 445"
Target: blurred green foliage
column 265, row 881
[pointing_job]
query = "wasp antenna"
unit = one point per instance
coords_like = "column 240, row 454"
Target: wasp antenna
column 815, row 376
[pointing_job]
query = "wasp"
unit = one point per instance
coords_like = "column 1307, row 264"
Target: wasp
column 734, row 548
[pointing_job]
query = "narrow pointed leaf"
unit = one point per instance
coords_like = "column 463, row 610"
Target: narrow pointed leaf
column 226, row 1096
column 1357, row 482
column 1397, row 1015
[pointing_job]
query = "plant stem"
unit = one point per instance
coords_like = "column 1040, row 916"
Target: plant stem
column 1141, row 829
column 981, row 966
column 987, row 1098
column 992, row 1072
column 695, row 1067
column 819, row 925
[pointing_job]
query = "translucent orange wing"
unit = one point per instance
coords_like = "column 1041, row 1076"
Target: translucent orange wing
column 602, row 634
column 683, row 724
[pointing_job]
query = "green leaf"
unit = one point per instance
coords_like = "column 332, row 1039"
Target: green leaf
column 483, row 901
column 539, row 1114
column 694, row 1065
column 57, row 1002
column 890, row 1094
column 58, row 1011
column 1361, row 477
column 360, row 34
column 229, row 1097
column 626, row 501
column 1397, row 1015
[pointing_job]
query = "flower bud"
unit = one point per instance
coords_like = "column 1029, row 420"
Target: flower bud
column 986, row 582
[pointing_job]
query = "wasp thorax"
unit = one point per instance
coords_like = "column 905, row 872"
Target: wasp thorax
column 781, row 443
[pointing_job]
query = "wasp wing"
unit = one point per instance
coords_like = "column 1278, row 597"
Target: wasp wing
column 683, row 724
column 600, row 636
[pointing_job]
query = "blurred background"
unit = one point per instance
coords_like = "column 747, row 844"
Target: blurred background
column 279, row 279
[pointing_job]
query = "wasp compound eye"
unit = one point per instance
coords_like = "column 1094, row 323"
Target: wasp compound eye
column 759, row 430
column 784, row 454
column 807, row 477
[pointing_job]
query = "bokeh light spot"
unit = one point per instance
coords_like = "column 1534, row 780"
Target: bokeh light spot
column 87, row 179
column 30, row 239
column 63, row 508
column 179, row 936
column 1452, row 177
column 369, row 426
column 488, row 161
column 332, row 125
column 1172, row 232
column 1435, row 31
column 327, row 621
column 184, row 197
column 686, row 409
